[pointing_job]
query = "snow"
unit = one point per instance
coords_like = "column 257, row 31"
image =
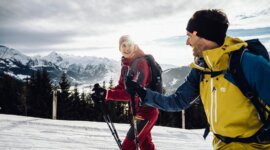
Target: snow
column 10, row 74
column 18, row 76
column 80, row 60
column 21, row 76
column 167, row 66
column 10, row 53
column 174, row 81
column 20, row 132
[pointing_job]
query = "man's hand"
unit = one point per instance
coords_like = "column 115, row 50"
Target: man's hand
column 133, row 87
column 99, row 94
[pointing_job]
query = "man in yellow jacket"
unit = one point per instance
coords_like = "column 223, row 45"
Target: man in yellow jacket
column 229, row 112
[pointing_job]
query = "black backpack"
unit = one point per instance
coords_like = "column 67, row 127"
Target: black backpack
column 155, row 73
column 257, row 48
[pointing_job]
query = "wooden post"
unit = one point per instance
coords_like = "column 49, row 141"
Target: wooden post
column 183, row 119
column 54, row 105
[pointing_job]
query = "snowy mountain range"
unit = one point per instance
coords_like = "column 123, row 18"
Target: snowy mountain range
column 82, row 71
column 79, row 70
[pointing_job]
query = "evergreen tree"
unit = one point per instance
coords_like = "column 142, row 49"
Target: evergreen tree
column 89, row 100
column 39, row 95
column 64, row 86
column 46, row 91
column 111, row 83
column 63, row 101
column 11, row 98
column 117, row 108
column 92, row 113
column 75, row 96
column 195, row 116
column 170, row 119
column 88, row 106
column 76, row 111
column 104, row 84
column 83, row 97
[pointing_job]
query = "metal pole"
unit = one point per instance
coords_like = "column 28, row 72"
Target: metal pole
column 134, row 120
column 183, row 119
column 54, row 105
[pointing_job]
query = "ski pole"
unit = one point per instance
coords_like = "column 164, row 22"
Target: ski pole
column 115, row 132
column 132, row 93
column 134, row 121
column 99, row 96
column 111, row 126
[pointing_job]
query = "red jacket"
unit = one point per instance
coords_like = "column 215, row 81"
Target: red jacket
column 141, row 75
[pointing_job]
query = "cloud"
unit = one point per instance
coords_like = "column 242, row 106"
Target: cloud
column 50, row 22
column 36, row 25
column 28, row 36
column 94, row 11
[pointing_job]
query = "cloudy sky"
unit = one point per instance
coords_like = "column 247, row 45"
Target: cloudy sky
column 93, row 27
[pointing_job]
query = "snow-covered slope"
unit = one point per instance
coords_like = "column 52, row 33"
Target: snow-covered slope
column 172, row 78
column 9, row 53
column 19, row 132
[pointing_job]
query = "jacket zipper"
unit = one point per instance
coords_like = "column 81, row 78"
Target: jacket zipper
column 213, row 114
column 215, row 101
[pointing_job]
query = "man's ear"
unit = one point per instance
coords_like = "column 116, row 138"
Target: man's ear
column 194, row 33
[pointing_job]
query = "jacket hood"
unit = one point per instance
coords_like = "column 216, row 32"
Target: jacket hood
column 217, row 59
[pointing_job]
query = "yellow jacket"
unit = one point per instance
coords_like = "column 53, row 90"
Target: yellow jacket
column 228, row 111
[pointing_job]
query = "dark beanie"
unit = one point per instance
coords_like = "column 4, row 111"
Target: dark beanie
column 208, row 28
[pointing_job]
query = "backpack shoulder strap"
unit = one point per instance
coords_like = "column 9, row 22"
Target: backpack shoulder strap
column 257, row 48
column 133, row 67
column 237, row 73
column 135, row 61
column 241, row 82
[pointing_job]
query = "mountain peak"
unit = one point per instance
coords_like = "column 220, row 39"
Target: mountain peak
column 3, row 46
column 53, row 57
column 10, row 53
column 53, row 53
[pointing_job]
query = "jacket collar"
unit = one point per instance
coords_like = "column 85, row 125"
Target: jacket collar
column 217, row 59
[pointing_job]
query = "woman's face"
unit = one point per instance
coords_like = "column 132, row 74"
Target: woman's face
column 127, row 49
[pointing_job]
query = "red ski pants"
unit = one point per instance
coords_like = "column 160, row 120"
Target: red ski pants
column 144, row 135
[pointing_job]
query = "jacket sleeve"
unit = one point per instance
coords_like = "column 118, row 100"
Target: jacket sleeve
column 118, row 93
column 141, row 75
column 257, row 72
column 184, row 96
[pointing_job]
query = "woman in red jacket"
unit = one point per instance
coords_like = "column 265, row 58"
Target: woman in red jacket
column 134, row 62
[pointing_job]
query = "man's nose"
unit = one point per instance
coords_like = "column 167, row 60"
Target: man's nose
column 187, row 41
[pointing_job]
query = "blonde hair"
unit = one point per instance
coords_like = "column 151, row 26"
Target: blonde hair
column 126, row 38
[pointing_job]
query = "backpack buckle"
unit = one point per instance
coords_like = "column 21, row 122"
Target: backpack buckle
column 224, row 139
column 250, row 95
column 264, row 136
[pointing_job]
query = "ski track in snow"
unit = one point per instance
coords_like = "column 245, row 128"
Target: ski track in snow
column 20, row 132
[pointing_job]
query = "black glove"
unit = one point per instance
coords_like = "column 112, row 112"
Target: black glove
column 133, row 87
column 99, row 95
